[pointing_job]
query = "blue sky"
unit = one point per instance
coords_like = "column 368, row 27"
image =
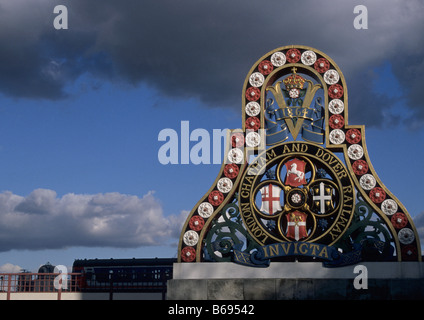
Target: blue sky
column 81, row 110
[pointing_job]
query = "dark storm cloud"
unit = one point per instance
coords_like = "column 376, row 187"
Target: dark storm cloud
column 204, row 49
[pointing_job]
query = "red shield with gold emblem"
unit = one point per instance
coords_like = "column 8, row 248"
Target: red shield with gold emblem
column 295, row 176
column 296, row 225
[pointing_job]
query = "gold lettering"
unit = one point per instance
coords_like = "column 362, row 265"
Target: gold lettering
column 266, row 251
column 347, row 212
column 319, row 153
column 338, row 167
column 254, row 228
column 249, row 220
column 245, row 207
column 252, row 169
column 323, row 253
column 333, row 236
column 332, row 161
column 286, row 149
column 245, row 194
column 270, row 154
column 343, row 221
column 286, row 247
column 265, row 237
column 256, row 167
column 347, row 189
column 326, row 157
column 337, row 228
column 303, row 251
column 245, row 187
column 346, row 198
column 274, row 250
column 250, row 179
column 262, row 161
column 314, row 247
column 342, row 174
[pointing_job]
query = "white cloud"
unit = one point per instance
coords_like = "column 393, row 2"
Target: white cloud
column 10, row 268
column 42, row 220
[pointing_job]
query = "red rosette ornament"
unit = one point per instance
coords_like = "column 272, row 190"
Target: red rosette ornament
column 237, row 140
column 377, row 195
column 196, row 223
column 188, row 254
column 336, row 121
column 360, row 167
column 253, row 94
column 335, row 91
column 215, row 198
column 293, row 55
column 253, row 123
column 231, row 170
column 265, row 67
column 322, row 65
column 409, row 252
column 399, row 220
column 353, row 136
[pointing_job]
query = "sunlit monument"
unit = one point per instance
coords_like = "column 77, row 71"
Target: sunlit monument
column 297, row 204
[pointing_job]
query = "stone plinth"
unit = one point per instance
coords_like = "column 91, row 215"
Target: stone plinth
column 295, row 280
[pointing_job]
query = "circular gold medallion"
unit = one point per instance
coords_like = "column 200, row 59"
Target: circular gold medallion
column 304, row 193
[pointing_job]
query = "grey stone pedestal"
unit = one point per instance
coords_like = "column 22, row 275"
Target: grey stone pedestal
column 296, row 280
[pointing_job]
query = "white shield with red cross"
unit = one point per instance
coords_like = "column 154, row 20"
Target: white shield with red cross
column 270, row 199
column 295, row 176
column 296, row 225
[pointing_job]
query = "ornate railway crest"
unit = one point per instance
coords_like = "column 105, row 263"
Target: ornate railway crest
column 311, row 192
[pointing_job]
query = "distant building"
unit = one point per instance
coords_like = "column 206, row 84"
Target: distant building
column 41, row 282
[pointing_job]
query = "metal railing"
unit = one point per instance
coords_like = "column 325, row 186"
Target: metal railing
column 39, row 282
column 15, row 283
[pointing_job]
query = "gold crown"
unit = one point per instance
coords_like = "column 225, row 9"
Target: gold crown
column 294, row 81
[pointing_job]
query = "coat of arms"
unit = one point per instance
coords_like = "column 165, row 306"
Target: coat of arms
column 270, row 199
column 295, row 173
column 296, row 225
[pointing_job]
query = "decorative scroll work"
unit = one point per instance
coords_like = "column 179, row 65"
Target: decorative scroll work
column 227, row 235
column 311, row 193
column 369, row 234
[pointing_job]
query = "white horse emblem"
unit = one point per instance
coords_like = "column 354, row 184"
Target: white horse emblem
column 293, row 170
